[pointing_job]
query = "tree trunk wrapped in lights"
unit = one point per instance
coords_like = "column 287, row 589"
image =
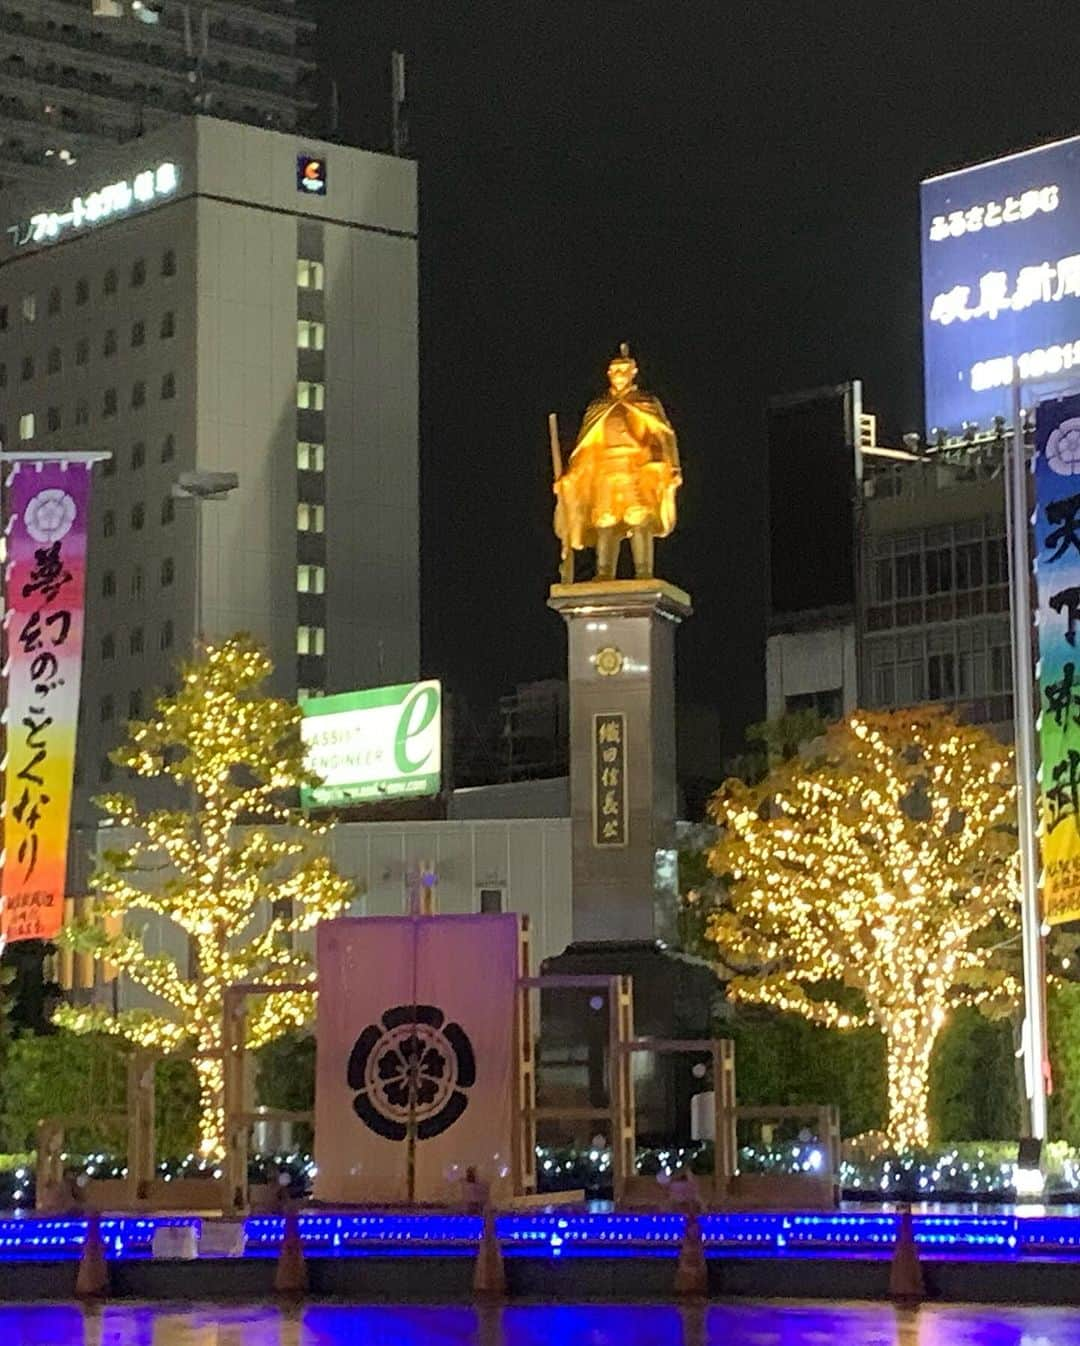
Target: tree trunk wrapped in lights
column 873, row 880
column 239, row 870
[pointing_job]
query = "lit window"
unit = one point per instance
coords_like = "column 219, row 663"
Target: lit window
column 310, row 518
column 168, row 325
column 310, row 579
column 310, row 336
column 168, row 572
column 26, row 425
column 29, row 307
column 310, row 457
column 310, row 396
column 54, row 361
column 308, row 693
column 310, row 640
column 309, row 275
column 138, row 456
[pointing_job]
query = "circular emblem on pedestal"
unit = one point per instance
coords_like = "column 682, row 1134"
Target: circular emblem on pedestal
column 412, row 1062
column 609, row 661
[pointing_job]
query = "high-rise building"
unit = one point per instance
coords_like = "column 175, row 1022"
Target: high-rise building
column 76, row 74
column 232, row 314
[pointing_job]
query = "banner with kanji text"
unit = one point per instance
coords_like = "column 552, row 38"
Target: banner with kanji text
column 45, row 509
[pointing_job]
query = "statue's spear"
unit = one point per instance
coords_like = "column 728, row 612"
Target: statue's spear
column 566, row 566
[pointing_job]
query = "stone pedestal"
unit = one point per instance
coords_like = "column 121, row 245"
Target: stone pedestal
column 621, row 671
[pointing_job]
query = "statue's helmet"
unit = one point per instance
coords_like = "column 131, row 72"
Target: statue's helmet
column 623, row 370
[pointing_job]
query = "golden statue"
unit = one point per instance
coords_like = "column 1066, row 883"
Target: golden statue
column 621, row 479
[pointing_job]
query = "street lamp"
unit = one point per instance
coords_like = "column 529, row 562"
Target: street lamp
column 201, row 487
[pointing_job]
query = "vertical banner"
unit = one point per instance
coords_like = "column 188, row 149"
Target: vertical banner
column 44, row 590
column 416, row 1066
column 609, row 779
column 1057, row 559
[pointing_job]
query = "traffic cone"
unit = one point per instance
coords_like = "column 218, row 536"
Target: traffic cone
column 691, row 1273
column 489, row 1278
column 290, row 1275
column 905, row 1275
column 93, row 1276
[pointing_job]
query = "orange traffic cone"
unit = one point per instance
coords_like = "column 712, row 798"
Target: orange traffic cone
column 691, row 1273
column 489, row 1278
column 290, row 1276
column 905, row 1274
column 93, row 1276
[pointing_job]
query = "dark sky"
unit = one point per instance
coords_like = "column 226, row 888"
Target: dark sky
column 731, row 187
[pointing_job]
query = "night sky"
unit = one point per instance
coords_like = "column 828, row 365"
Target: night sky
column 732, row 188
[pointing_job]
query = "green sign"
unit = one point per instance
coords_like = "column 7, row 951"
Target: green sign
column 385, row 743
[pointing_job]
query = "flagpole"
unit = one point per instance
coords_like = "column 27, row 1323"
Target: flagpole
column 1017, row 520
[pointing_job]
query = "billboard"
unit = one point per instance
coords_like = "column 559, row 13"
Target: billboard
column 1057, row 551
column 44, row 585
column 384, row 743
column 1000, row 283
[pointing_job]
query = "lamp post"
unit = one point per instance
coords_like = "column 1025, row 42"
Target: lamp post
column 201, row 487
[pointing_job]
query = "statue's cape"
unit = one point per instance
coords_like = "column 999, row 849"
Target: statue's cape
column 642, row 402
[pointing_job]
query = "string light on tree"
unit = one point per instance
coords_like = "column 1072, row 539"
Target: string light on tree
column 238, row 870
column 875, row 881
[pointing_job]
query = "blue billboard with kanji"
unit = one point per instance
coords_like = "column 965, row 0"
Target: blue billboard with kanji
column 1000, row 284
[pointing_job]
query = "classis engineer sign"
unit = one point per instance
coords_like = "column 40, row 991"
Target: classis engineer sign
column 379, row 744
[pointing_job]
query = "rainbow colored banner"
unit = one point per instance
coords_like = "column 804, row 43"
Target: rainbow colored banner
column 45, row 584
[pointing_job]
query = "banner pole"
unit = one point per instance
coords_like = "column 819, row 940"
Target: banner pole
column 1017, row 526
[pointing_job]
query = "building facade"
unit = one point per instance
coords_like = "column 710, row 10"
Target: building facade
column 220, row 316
column 79, row 74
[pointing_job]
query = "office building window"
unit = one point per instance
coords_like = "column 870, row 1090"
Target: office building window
column 310, row 457
column 29, row 307
column 82, row 412
column 310, row 396
column 310, row 336
column 54, row 361
column 106, row 710
column 108, row 523
column 310, row 579
column 168, row 325
column 109, row 402
column 82, row 290
column 168, row 262
column 165, row 639
column 108, row 584
column 52, row 419
column 168, row 572
column 27, row 368
column 168, row 448
column 138, row 516
column 26, row 425
column 309, row 275
column 310, row 518
column 110, row 283
column 168, row 386
column 168, row 509
column 138, row 456
column 310, row 640
column 138, row 271
column 134, row 703
column 108, row 646
column 137, row 582
column 55, row 301
column 108, row 345
column 138, row 333
column 82, row 351
column 138, row 394
column 135, row 640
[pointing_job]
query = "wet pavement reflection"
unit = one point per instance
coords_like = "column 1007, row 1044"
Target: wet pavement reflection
column 736, row 1324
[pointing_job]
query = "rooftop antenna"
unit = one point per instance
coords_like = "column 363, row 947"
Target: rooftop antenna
column 399, row 118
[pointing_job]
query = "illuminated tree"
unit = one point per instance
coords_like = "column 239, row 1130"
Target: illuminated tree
column 874, row 880
column 238, row 869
